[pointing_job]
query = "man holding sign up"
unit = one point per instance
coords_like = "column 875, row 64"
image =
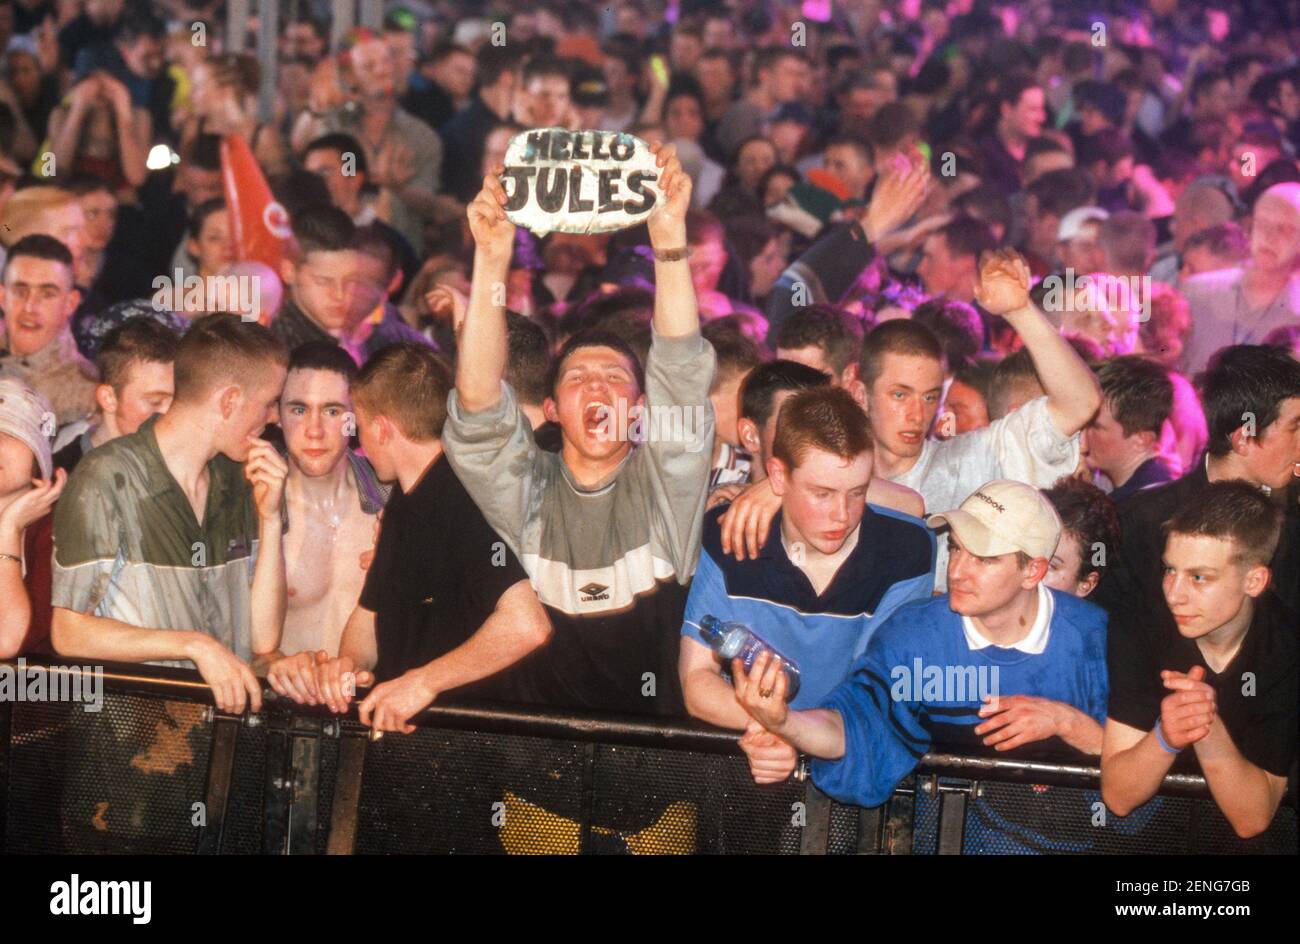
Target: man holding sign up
column 609, row 529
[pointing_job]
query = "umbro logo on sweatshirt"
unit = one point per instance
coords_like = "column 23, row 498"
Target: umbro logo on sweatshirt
column 594, row 592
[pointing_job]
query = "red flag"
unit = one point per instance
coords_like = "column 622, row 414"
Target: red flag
column 261, row 224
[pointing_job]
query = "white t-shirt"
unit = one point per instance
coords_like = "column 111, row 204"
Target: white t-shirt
column 1024, row 446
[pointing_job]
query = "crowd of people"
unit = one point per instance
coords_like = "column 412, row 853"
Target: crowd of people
column 983, row 320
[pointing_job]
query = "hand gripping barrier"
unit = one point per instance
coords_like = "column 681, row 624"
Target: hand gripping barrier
column 157, row 770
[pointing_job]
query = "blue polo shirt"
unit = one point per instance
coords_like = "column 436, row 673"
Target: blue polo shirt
column 892, row 716
column 824, row 633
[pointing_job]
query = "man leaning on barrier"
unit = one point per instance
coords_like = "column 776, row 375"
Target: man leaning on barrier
column 834, row 568
column 168, row 541
column 445, row 604
column 1220, row 678
column 1034, row 657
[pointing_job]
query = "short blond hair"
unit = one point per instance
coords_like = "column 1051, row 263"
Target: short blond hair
column 24, row 208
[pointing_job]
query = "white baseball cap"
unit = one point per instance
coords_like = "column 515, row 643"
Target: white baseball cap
column 1002, row 517
column 1073, row 222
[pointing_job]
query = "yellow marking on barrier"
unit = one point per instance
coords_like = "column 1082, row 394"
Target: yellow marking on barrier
column 170, row 748
column 529, row 829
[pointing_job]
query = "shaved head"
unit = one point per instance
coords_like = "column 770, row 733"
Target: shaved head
column 1286, row 193
column 1275, row 228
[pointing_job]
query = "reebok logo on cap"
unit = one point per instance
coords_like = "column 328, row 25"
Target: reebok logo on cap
column 1003, row 517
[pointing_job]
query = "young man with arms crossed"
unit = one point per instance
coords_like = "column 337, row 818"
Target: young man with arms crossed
column 445, row 604
column 1040, row 651
column 332, row 499
column 902, row 384
column 168, row 541
column 608, row 530
column 833, row 569
column 1221, row 679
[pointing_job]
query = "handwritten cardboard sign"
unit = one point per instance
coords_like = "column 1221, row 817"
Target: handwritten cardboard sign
column 579, row 181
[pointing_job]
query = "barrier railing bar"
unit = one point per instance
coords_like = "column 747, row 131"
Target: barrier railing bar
column 186, row 684
column 6, row 717
column 276, row 794
column 347, row 794
column 305, row 753
column 870, row 826
column 586, row 796
column 815, row 837
column 221, row 765
column 952, row 821
column 900, row 815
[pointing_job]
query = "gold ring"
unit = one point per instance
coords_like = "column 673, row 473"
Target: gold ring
column 765, row 694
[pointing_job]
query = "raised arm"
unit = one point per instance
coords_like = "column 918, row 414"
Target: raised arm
column 67, row 123
column 516, row 627
column 828, row 269
column 676, row 313
column 133, row 128
column 482, row 355
column 1073, row 393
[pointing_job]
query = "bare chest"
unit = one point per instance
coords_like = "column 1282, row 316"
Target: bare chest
column 323, row 549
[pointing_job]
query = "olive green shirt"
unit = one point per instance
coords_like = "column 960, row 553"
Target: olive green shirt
column 127, row 545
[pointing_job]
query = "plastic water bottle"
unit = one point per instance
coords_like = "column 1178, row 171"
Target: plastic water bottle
column 737, row 641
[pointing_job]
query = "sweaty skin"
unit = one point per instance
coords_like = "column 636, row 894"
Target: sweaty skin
column 322, row 551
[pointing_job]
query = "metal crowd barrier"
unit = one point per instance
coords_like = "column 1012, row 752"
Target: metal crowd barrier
column 157, row 770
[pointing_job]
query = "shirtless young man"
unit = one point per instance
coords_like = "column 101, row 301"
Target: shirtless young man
column 332, row 499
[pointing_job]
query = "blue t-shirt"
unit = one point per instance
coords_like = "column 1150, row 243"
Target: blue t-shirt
column 892, row 564
column 892, row 714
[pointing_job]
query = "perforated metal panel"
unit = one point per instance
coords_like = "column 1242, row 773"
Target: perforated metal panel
column 456, row 792
column 1010, row 819
column 126, row 779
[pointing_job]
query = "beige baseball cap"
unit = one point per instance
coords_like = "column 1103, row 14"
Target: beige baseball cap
column 1003, row 517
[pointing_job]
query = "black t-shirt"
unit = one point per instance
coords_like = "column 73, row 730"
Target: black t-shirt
column 1259, row 709
column 439, row 570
